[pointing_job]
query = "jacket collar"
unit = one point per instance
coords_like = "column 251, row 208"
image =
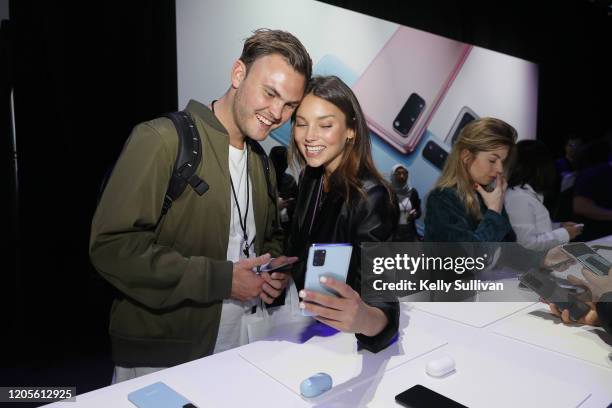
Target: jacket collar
column 206, row 114
column 218, row 140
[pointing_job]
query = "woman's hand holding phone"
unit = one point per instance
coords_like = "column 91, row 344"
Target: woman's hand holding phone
column 347, row 312
column 494, row 200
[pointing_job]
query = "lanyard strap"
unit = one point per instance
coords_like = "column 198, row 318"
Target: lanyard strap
column 243, row 224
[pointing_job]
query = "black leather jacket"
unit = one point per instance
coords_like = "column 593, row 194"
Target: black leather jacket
column 372, row 218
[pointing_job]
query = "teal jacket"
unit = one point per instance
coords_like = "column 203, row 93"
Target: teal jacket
column 447, row 220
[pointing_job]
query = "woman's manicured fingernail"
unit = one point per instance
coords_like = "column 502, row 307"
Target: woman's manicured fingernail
column 323, row 279
column 302, row 305
column 302, row 293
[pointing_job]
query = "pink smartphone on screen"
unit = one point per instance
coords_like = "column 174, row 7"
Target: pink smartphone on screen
column 402, row 87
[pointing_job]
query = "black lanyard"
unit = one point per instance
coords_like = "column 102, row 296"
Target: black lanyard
column 243, row 224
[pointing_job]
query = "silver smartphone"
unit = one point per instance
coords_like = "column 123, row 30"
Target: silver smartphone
column 330, row 260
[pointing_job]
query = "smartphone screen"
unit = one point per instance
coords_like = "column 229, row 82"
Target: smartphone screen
column 286, row 267
column 422, row 397
column 588, row 257
column 545, row 285
column 578, row 249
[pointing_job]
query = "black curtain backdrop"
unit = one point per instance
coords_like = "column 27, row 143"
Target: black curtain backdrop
column 86, row 73
column 568, row 39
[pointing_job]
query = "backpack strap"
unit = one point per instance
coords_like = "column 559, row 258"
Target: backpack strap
column 265, row 160
column 256, row 147
column 188, row 158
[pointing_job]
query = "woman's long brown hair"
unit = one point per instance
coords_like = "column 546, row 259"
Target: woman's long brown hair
column 357, row 155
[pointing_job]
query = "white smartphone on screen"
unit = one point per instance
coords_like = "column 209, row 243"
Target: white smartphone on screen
column 329, row 260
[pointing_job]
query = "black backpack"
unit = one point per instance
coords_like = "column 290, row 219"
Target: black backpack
column 188, row 159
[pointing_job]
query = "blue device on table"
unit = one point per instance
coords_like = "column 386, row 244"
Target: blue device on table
column 158, row 395
column 330, row 260
column 316, row 385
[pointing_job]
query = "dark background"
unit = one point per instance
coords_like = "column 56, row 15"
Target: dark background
column 85, row 74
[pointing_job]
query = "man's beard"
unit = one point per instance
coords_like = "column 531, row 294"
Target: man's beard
column 240, row 115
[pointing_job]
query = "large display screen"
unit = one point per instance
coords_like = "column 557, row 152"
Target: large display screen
column 417, row 89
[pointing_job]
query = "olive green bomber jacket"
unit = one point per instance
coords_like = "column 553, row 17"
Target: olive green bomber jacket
column 172, row 279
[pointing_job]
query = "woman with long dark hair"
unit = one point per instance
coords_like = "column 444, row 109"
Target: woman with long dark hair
column 342, row 199
column 531, row 177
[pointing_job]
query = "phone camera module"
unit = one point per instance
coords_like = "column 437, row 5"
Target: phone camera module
column 409, row 114
column 319, row 257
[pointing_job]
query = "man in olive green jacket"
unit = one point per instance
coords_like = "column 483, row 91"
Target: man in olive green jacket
column 175, row 278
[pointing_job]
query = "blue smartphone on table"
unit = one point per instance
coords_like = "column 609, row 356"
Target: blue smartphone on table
column 329, row 260
column 158, row 395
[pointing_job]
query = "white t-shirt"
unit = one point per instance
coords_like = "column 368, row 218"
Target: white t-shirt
column 234, row 311
column 530, row 220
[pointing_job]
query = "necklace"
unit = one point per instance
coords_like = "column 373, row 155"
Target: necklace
column 317, row 206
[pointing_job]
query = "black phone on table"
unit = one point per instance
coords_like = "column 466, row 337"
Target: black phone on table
column 550, row 290
column 420, row 396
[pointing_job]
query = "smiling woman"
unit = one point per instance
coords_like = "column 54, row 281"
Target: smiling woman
column 342, row 199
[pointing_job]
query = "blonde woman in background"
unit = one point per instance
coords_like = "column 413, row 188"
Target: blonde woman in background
column 467, row 203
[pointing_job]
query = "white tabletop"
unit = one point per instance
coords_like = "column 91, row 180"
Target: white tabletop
column 492, row 370
column 507, row 355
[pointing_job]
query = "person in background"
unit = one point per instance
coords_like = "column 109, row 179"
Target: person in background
column 409, row 204
column 559, row 201
column 532, row 176
column 342, row 199
column 567, row 163
column 187, row 283
column 287, row 187
column 467, row 202
column 592, row 201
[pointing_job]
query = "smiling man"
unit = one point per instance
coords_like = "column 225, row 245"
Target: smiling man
column 185, row 280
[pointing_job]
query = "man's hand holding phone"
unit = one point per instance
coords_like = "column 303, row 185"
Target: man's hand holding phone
column 245, row 284
column 276, row 275
column 588, row 297
column 598, row 285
